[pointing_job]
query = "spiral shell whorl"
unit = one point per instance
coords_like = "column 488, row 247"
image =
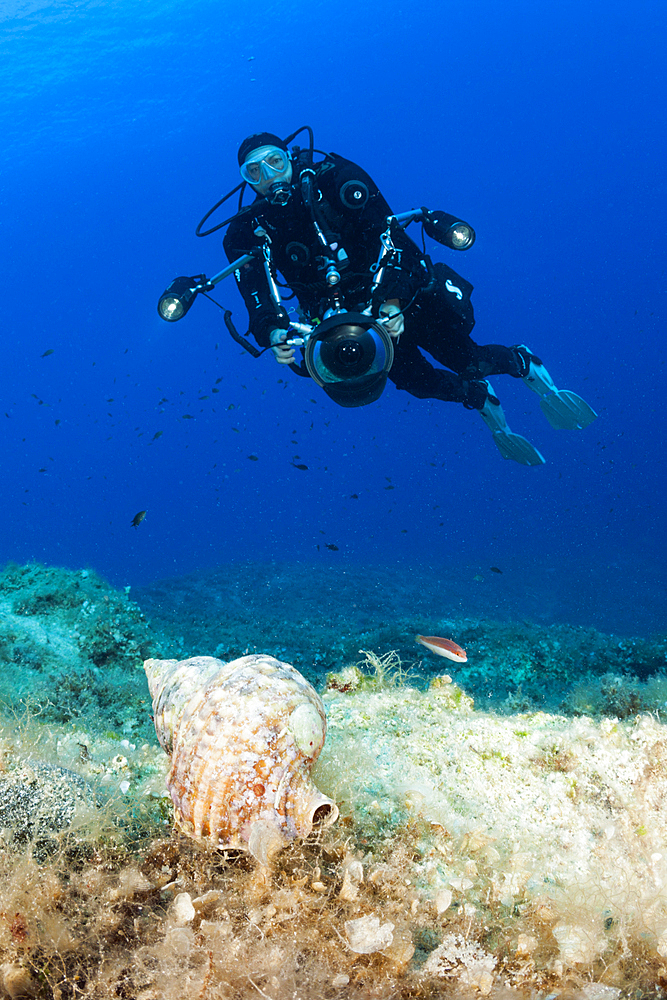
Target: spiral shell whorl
column 243, row 737
column 171, row 682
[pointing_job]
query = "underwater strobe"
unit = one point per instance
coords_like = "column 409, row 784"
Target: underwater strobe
column 448, row 229
column 181, row 293
column 177, row 299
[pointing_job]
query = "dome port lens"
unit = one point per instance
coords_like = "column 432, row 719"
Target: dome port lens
column 347, row 353
column 350, row 356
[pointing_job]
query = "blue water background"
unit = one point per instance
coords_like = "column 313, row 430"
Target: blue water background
column 541, row 124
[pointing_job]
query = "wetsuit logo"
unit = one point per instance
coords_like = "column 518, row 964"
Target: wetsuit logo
column 452, row 288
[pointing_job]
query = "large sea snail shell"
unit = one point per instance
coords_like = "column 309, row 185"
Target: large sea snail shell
column 243, row 737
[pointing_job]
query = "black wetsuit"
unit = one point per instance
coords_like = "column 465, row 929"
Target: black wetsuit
column 439, row 319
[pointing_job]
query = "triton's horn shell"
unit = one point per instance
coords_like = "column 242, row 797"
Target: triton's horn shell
column 243, row 737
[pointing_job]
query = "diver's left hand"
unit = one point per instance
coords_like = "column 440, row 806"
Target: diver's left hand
column 392, row 319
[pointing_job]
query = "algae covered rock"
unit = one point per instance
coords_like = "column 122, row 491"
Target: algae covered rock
column 39, row 800
column 71, row 646
column 449, row 694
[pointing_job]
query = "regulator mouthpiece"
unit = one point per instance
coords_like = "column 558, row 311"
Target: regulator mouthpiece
column 279, row 193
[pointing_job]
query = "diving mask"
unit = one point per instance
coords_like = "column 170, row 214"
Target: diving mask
column 268, row 163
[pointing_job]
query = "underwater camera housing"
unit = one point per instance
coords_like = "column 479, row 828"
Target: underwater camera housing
column 349, row 355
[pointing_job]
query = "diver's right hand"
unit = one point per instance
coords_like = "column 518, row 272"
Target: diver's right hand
column 284, row 355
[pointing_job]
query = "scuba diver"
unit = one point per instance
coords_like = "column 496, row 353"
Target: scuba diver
column 369, row 299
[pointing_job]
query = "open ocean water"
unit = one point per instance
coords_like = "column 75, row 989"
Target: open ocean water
column 120, row 127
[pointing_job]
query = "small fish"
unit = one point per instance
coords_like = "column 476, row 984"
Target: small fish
column 354, row 496
column 443, row 647
column 138, row 518
column 330, row 545
column 158, row 434
column 304, row 468
column 46, row 353
column 253, row 458
column 494, row 569
column 187, row 416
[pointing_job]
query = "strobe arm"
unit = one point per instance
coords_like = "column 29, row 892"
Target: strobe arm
column 181, row 293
